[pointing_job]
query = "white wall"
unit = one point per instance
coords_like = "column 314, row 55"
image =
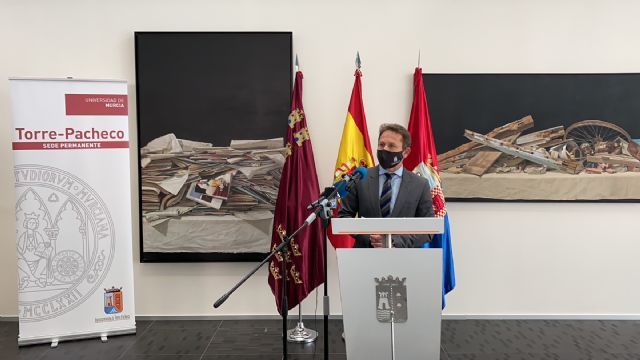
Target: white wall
column 511, row 259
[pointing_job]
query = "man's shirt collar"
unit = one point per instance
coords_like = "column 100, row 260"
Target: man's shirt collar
column 384, row 171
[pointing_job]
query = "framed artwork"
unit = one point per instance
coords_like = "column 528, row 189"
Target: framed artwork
column 537, row 137
column 212, row 112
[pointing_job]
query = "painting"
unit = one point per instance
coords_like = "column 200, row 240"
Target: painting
column 537, row 137
column 211, row 123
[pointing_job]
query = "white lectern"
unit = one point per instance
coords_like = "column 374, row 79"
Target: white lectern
column 391, row 298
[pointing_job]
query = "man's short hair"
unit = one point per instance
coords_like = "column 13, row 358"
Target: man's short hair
column 398, row 129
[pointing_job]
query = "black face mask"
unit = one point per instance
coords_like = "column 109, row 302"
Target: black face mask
column 389, row 159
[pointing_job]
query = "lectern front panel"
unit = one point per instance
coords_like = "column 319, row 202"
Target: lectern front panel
column 376, row 283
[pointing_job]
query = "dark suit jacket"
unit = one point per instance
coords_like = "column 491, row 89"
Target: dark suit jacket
column 413, row 200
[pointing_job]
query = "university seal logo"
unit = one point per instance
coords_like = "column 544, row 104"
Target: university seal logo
column 391, row 296
column 65, row 239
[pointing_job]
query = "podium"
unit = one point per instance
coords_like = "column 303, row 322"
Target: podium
column 391, row 298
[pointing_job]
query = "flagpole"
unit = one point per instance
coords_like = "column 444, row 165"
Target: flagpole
column 300, row 334
column 358, row 66
column 285, row 301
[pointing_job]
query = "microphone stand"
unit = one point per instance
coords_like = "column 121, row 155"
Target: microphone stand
column 325, row 212
column 323, row 209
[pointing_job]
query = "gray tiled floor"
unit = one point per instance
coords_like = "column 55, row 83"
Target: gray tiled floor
column 260, row 339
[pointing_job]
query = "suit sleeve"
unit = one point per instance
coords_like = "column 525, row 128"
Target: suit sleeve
column 349, row 208
column 424, row 209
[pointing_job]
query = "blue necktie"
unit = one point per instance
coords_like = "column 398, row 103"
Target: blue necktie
column 385, row 197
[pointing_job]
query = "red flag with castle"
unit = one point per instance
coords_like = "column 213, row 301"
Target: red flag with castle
column 423, row 160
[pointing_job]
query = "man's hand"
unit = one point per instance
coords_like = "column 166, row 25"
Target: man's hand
column 377, row 240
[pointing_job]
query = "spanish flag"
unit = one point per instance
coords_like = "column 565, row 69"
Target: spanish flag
column 355, row 150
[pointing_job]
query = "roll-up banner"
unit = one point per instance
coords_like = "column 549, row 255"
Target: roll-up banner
column 73, row 209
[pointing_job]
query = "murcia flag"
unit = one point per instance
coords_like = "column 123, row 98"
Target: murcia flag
column 298, row 188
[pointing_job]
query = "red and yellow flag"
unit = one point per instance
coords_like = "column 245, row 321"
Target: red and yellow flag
column 355, row 150
column 298, row 188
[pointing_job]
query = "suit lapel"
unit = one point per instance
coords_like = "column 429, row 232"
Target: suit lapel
column 403, row 192
column 374, row 188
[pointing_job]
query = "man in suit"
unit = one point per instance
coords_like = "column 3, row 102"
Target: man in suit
column 390, row 190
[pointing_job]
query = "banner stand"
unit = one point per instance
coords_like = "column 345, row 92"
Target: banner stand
column 54, row 340
column 73, row 209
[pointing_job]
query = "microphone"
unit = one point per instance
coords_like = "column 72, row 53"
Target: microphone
column 348, row 180
column 327, row 191
column 341, row 187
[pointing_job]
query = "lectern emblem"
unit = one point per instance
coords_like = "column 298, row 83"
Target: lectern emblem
column 391, row 299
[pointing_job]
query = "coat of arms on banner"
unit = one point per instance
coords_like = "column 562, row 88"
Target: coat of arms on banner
column 391, row 295
column 113, row 300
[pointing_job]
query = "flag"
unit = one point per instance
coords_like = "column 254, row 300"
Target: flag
column 423, row 160
column 355, row 150
column 298, row 188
